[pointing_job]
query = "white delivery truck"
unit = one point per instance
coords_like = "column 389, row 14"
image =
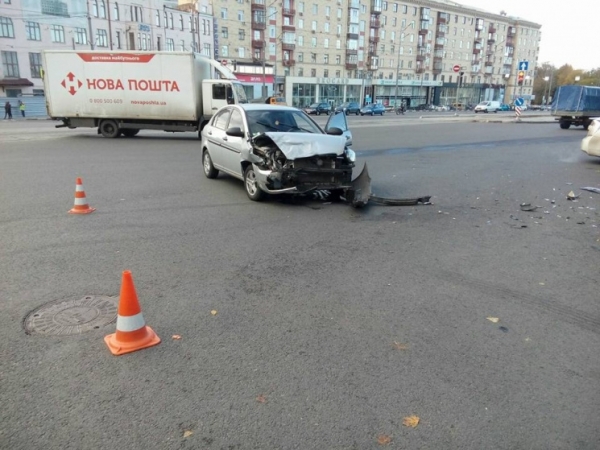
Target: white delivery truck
column 124, row 92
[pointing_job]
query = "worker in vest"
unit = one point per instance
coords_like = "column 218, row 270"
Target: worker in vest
column 22, row 108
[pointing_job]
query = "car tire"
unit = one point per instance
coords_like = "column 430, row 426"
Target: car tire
column 207, row 165
column 326, row 113
column 251, row 186
column 130, row 132
column 361, row 114
column 382, row 113
column 318, row 113
column 565, row 124
column 357, row 113
column 109, row 129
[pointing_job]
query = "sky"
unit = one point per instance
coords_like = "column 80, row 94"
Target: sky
column 569, row 29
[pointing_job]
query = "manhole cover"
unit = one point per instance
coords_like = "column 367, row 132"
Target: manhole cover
column 65, row 317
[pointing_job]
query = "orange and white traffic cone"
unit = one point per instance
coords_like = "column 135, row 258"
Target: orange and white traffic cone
column 81, row 205
column 132, row 333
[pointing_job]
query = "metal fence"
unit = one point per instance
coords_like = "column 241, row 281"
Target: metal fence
column 34, row 106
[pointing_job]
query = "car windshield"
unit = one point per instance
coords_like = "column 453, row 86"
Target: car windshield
column 314, row 105
column 268, row 121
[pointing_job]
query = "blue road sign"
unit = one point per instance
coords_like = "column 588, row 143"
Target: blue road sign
column 523, row 65
column 519, row 102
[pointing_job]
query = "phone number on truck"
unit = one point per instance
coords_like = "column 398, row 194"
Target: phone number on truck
column 106, row 100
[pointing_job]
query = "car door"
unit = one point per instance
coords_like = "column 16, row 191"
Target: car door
column 216, row 135
column 233, row 145
column 339, row 120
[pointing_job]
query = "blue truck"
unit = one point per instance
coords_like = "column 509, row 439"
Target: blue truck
column 576, row 105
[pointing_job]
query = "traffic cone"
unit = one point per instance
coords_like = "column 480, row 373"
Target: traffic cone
column 132, row 333
column 81, row 205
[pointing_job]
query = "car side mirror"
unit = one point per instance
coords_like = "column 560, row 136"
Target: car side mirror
column 235, row 132
column 335, row 131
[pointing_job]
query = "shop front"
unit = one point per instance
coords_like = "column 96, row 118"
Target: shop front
column 303, row 91
column 253, row 84
column 412, row 92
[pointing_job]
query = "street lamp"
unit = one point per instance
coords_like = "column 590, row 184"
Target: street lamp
column 577, row 78
column 506, row 77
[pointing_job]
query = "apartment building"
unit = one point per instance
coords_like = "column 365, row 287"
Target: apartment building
column 27, row 28
column 415, row 51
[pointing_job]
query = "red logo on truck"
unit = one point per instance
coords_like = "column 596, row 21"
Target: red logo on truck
column 71, row 83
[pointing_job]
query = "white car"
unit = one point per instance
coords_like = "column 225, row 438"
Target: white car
column 591, row 143
column 278, row 149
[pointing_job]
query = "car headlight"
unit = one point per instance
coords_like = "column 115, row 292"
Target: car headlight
column 350, row 155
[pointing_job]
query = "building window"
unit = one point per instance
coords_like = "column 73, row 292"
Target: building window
column 300, row 57
column 313, row 57
column 206, row 50
column 315, row 9
column 157, row 18
column 313, row 72
column 171, row 26
column 300, row 72
column 6, row 27
column 224, row 32
column 224, row 13
column 182, row 45
column 224, row 51
column 101, row 38
column 102, row 10
column 116, row 15
column 325, row 73
column 180, row 22
column 10, row 64
column 170, row 43
column 81, row 36
column 326, row 43
column 33, row 32
column 241, row 52
column 58, row 33
column 240, row 15
column 118, row 40
column 325, row 59
column 313, row 26
column 241, row 34
column 95, row 8
column 313, row 42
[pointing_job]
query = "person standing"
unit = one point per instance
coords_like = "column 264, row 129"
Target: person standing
column 7, row 110
column 22, row 108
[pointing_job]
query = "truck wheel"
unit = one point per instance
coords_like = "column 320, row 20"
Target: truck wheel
column 129, row 132
column 252, row 190
column 565, row 124
column 109, row 129
column 209, row 169
column 586, row 124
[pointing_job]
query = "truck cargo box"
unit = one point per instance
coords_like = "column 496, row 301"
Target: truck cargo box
column 577, row 99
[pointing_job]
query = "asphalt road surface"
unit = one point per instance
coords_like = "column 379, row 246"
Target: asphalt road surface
column 306, row 324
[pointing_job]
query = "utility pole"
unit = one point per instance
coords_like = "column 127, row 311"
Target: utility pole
column 110, row 41
column 89, row 17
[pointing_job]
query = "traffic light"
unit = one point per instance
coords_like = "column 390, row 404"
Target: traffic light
column 521, row 77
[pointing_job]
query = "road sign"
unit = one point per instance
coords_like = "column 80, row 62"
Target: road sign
column 456, row 68
column 519, row 102
column 523, row 65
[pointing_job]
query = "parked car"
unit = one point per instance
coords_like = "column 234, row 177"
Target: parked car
column 504, row 107
column 318, row 108
column 372, row 109
column 349, row 108
column 424, row 107
column 591, row 143
column 487, row 107
column 278, row 149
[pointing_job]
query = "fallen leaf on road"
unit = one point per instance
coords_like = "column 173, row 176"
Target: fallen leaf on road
column 187, row 433
column 411, row 421
column 493, row 319
column 399, row 346
column 176, row 337
column 261, row 399
column 384, row 439
column 542, row 284
column 214, row 312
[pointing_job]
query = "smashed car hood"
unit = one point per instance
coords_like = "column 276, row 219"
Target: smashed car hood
column 304, row 145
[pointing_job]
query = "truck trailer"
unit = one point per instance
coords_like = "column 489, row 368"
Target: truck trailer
column 576, row 105
column 124, row 92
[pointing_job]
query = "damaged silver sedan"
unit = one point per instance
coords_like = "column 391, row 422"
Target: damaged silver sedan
column 278, row 149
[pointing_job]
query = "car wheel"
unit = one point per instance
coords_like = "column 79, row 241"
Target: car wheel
column 382, row 113
column 372, row 114
column 109, row 129
column 129, row 132
column 318, row 113
column 564, row 124
column 357, row 113
column 326, row 113
column 252, row 190
column 209, row 169
column 361, row 114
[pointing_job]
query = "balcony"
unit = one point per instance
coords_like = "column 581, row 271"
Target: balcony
column 489, row 63
column 441, row 32
column 423, row 32
column 491, row 38
column 288, row 46
column 437, row 70
column 351, row 65
column 512, row 32
column 351, row 51
column 289, row 62
column 376, row 6
column 258, row 43
column 437, row 59
column 475, row 69
column 288, row 28
column 420, row 69
column 258, row 25
column 258, row 5
column 478, row 40
column 352, row 36
column 492, row 29
column 443, row 17
column 289, row 11
column 476, row 51
column 374, row 40
column 421, row 58
column 375, row 23
column 489, row 70
column 510, row 42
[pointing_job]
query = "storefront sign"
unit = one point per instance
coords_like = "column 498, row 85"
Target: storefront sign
column 144, row 28
column 332, row 80
column 408, row 83
column 254, row 78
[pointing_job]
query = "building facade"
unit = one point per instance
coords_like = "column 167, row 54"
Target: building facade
column 415, row 51
column 29, row 26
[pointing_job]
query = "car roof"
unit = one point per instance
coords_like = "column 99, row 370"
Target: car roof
column 265, row 107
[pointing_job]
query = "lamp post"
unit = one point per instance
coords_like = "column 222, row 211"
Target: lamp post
column 577, row 78
column 400, row 40
column 506, row 77
column 545, row 99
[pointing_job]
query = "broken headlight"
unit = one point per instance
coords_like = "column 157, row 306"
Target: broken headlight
column 350, row 155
